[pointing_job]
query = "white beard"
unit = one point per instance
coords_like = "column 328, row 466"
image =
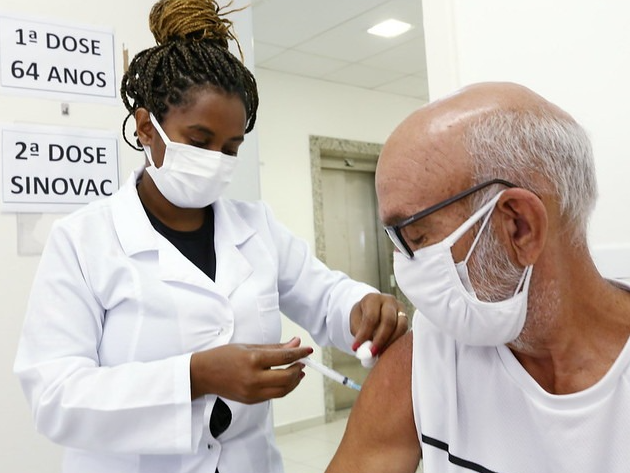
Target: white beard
column 495, row 278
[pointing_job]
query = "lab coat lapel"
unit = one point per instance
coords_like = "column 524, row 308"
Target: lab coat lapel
column 133, row 228
column 176, row 267
column 231, row 232
column 136, row 235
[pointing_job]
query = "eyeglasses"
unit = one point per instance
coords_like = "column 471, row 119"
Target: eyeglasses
column 395, row 231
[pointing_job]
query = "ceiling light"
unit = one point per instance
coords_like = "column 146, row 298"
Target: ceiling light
column 390, row 28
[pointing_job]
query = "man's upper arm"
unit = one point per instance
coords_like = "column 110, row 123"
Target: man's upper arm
column 381, row 433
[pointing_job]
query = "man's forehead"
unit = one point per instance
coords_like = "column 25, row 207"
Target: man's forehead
column 403, row 194
column 425, row 159
column 469, row 103
column 423, row 152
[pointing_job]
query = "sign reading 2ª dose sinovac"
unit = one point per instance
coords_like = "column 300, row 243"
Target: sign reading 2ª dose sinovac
column 50, row 169
column 56, row 61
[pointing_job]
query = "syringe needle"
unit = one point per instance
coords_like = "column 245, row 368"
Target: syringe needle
column 330, row 373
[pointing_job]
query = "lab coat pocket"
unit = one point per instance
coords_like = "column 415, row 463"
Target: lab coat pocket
column 269, row 313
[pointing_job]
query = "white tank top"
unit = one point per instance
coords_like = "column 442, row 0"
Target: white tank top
column 477, row 409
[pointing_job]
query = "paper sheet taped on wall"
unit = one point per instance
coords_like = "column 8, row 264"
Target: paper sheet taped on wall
column 57, row 60
column 53, row 169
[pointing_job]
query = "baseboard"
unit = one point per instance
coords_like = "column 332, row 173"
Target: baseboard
column 308, row 423
column 299, row 425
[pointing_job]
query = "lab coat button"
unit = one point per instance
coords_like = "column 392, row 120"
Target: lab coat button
column 209, row 447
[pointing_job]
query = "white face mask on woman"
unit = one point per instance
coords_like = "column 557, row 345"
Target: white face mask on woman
column 431, row 281
column 190, row 177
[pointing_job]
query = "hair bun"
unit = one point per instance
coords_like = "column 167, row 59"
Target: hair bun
column 172, row 20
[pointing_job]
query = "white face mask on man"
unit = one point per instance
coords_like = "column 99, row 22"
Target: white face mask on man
column 441, row 290
column 190, row 177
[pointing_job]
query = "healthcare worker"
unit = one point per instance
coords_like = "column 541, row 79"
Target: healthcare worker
column 152, row 336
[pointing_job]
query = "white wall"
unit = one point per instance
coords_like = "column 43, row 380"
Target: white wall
column 292, row 108
column 573, row 52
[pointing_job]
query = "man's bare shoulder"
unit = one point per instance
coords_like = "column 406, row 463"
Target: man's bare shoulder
column 394, row 365
column 381, row 433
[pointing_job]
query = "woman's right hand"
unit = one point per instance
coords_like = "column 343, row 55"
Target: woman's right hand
column 245, row 373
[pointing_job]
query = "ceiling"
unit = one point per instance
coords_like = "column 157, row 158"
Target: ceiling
column 328, row 40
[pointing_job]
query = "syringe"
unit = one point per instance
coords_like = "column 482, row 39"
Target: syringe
column 332, row 374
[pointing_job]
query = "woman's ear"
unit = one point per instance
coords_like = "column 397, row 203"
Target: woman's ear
column 524, row 223
column 144, row 127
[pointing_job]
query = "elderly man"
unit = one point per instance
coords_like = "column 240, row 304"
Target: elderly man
column 518, row 359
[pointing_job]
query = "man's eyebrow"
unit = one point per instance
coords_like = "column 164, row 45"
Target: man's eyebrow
column 395, row 219
column 392, row 220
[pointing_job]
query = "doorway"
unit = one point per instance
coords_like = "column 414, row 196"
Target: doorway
column 349, row 238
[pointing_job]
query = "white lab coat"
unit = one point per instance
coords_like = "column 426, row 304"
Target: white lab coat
column 116, row 311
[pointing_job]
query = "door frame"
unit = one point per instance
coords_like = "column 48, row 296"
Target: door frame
column 346, row 149
column 354, row 153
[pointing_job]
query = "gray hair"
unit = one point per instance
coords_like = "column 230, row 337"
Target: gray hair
column 541, row 151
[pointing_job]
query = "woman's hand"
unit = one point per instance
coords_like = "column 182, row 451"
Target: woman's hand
column 244, row 373
column 380, row 318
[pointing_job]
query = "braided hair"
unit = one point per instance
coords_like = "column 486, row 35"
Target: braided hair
column 191, row 53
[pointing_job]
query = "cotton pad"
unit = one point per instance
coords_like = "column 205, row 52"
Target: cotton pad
column 364, row 353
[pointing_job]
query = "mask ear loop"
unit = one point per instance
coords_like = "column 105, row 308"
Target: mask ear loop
column 474, row 218
column 486, row 219
column 525, row 277
column 147, row 152
column 159, row 129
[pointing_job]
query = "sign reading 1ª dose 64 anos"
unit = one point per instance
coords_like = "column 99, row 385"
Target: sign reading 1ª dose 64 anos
column 58, row 61
column 56, row 170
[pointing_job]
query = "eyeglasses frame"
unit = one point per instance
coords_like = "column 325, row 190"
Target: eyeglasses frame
column 394, row 231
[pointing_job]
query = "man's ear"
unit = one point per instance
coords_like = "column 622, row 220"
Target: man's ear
column 524, row 222
column 144, row 127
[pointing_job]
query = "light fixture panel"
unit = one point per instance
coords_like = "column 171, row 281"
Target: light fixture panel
column 390, row 28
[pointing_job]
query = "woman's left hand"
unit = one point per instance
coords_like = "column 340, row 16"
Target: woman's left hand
column 380, row 318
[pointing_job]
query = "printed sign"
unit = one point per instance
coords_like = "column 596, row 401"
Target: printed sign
column 56, row 61
column 49, row 169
